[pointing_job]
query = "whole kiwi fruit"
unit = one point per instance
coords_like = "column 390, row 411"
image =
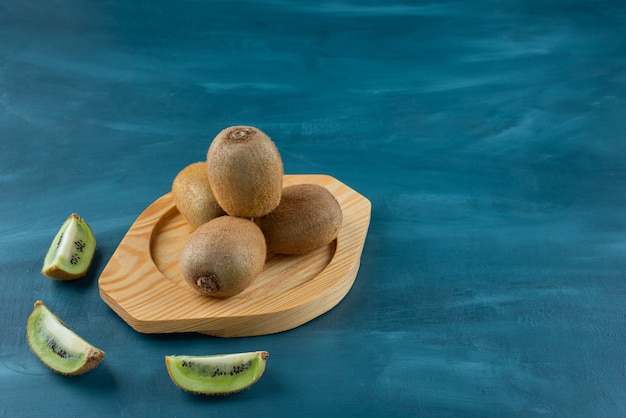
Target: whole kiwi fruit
column 223, row 256
column 245, row 171
column 193, row 196
column 308, row 217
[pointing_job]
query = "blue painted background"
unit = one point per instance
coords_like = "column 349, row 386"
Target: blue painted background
column 489, row 136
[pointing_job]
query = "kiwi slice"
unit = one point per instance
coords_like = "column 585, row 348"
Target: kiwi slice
column 57, row 346
column 220, row 374
column 71, row 251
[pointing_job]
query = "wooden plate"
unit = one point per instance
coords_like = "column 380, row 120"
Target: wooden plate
column 142, row 283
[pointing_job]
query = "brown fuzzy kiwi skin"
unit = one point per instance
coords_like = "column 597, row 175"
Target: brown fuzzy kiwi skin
column 223, row 256
column 193, row 196
column 94, row 358
column 56, row 273
column 245, row 171
column 308, row 217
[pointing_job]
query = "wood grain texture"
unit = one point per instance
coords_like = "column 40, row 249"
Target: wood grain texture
column 142, row 283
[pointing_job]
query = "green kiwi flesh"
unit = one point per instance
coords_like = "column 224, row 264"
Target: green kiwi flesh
column 71, row 252
column 308, row 217
column 219, row 374
column 223, row 256
column 245, row 171
column 57, row 346
column 193, row 196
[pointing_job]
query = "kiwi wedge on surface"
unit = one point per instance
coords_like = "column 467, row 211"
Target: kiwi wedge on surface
column 71, row 251
column 308, row 217
column 193, row 196
column 57, row 346
column 223, row 256
column 220, row 374
column 245, row 171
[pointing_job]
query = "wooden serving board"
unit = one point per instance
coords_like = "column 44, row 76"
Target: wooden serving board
column 142, row 283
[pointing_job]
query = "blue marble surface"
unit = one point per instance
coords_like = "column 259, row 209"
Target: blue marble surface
column 488, row 135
